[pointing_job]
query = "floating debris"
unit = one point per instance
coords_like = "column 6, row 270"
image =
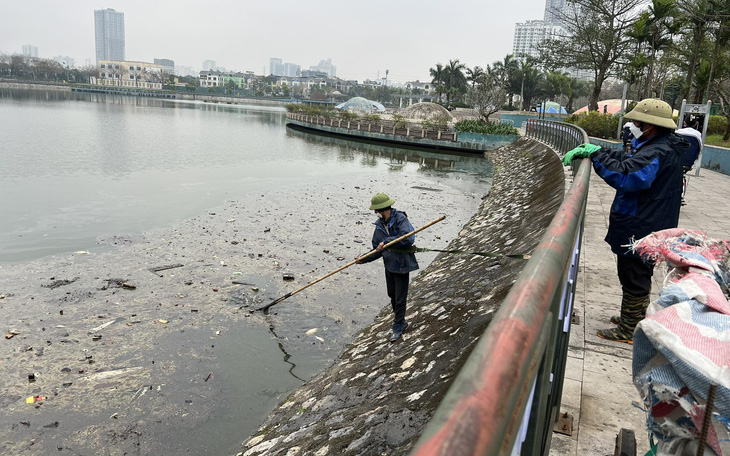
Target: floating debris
column 82, row 252
column 59, row 283
column 311, row 331
column 165, row 267
column 288, row 276
column 34, row 399
column 161, row 322
column 129, row 286
column 99, row 328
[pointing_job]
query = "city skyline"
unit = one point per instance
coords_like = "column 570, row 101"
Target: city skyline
column 362, row 42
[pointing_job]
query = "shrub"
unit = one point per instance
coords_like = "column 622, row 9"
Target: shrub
column 716, row 126
column 596, row 124
column 399, row 121
column 347, row 115
column 436, row 123
column 371, row 118
column 478, row 126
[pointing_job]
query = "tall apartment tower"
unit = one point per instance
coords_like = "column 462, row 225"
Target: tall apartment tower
column 276, row 67
column 109, row 33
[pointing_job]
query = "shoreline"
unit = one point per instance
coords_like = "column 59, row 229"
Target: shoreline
column 146, row 93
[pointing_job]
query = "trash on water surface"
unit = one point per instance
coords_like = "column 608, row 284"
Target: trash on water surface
column 82, row 252
column 129, row 286
column 12, row 333
column 288, row 276
column 311, row 331
column 161, row 322
column 34, row 399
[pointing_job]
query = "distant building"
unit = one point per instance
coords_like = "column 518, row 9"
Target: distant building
column 426, row 87
column 326, row 67
column 184, row 71
column 292, row 70
column 167, row 64
column 30, row 51
column 65, row 60
column 530, row 34
column 209, row 65
column 557, row 10
column 131, row 74
column 212, row 78
column 276, row 67
column 109, row 35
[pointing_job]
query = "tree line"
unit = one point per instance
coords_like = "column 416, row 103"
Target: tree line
column 661, row 48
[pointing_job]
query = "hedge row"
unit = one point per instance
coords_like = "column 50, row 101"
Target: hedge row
column 477, row 126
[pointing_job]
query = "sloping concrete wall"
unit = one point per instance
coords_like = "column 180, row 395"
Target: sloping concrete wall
column 378, row 396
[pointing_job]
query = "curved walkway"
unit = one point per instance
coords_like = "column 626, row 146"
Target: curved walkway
column 598, row 390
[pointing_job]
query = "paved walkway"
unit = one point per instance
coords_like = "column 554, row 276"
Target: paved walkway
column 598, row 390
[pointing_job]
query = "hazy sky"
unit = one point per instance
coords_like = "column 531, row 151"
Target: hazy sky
column 361, row 37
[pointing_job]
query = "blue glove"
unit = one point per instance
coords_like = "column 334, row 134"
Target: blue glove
column 582, row 151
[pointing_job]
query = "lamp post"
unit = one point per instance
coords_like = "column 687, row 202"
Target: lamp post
column 386, row 77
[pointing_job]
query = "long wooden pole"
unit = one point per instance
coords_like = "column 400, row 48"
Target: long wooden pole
column 372, row 252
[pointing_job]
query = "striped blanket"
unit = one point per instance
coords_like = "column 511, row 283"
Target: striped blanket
column 683, row 344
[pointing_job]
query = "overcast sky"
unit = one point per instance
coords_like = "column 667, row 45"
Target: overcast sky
column 361, row 37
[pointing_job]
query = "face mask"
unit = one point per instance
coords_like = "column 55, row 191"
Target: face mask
column 381, row 216
column 636, row 131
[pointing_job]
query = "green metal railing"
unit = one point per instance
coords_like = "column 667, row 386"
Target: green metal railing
column 506, row 398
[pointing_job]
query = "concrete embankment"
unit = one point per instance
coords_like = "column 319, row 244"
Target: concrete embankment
column 33, row 86
column 378, row 396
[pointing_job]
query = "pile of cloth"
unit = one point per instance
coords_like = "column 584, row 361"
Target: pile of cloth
column 683, row 344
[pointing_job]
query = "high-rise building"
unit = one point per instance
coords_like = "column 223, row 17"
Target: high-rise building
column 209, row 65
column 291, row 70
column 109, row 34
column 30, row 51
column 276, row 67
column 325, row 66
column 529, row 35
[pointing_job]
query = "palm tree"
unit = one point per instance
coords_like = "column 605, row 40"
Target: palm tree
column 438, row 76
column 505, row 72
column 473, row 75
column 455, row 80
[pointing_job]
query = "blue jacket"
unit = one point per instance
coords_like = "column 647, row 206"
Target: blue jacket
column 398, row 225
column 648, row 187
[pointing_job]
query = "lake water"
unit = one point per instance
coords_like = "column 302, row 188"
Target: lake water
column 76, row 168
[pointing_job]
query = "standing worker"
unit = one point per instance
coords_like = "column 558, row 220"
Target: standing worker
column 392, row 224
column 648, row 185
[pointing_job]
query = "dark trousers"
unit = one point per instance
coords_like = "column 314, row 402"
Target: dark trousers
column 635, row 275
column 398, row 293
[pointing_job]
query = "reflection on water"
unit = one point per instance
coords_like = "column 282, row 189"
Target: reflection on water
column 75, row 166
column 398, row 156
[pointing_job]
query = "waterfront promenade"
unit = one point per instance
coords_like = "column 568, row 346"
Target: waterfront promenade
column 598, row 390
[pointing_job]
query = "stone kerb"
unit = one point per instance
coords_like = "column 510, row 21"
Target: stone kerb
column 379, row 396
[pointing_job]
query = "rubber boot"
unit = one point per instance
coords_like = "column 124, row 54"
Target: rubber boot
column 626, row 299
column 633, row 310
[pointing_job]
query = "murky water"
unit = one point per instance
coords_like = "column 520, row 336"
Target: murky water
column 76, row 166
column 175, row 181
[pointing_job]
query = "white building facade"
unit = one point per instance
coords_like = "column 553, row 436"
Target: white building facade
column 121, row 73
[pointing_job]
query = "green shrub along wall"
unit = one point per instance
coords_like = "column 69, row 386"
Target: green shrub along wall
column 596, row 124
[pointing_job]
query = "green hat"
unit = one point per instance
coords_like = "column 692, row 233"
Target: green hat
column 653, row 111
column 381, row 201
